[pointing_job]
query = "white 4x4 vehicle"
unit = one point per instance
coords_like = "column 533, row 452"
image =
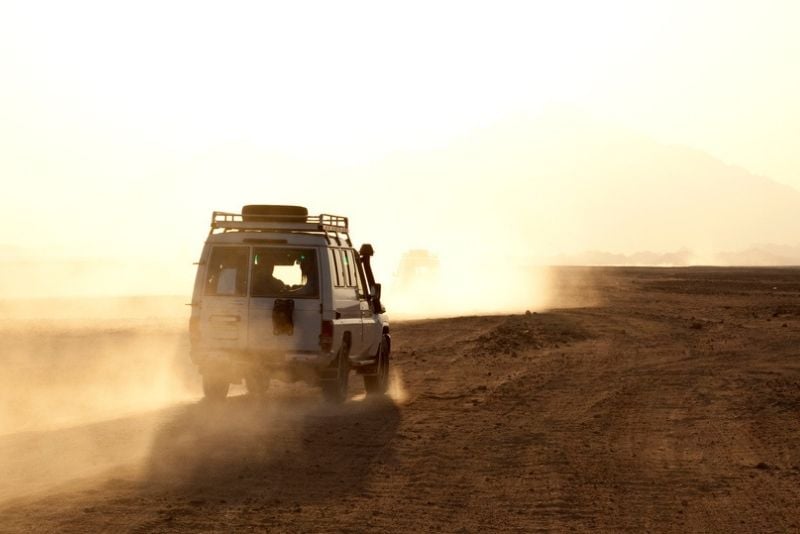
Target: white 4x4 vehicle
column 281, row 294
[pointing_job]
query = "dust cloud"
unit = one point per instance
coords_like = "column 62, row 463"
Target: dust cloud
column 75, row 361
column 104, row 387
column 428, row 285
column 86, row 383
column 397, row 389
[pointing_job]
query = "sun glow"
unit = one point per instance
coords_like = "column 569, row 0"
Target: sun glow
column 123, row 126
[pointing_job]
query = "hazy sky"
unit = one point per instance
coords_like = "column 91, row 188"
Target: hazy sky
column 107, row 107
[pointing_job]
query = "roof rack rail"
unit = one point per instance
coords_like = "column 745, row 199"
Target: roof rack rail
column 324, row 223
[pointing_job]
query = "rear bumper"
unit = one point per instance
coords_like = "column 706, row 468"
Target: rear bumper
column 236, row 363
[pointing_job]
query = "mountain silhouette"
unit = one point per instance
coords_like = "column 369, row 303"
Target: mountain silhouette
column 562, row 183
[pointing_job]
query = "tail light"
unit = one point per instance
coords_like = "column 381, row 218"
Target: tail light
column 326, row 336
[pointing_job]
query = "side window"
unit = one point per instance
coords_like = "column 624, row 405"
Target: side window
column 345, row 267
column 227, row 271
column 360, row 278
column 342, row 268
column 339, row 266
column 334, row 267
column 351, row 268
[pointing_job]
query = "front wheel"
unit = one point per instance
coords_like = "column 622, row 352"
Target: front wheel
column 378, row 383
column 215, row 388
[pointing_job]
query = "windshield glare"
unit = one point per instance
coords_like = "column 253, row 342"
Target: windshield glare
column 284, row 273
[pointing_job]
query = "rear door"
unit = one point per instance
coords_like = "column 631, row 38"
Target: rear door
column 285, row 273
column 224, row 310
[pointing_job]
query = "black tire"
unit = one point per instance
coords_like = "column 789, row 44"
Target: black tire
column 214, row 388
column 378, row 383
column 335, row 381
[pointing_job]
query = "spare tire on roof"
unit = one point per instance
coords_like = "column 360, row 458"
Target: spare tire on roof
column 273, row 213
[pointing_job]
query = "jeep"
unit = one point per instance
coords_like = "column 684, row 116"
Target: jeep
column 280, row 294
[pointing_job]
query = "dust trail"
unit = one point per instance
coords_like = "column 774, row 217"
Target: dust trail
column 455, row 286
column 36, row 462
column 85, row 383
column 397, row 390
column 59, row 378
column 95, row 392
column 66, row 366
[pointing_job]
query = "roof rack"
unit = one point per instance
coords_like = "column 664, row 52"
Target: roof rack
column 329, row 225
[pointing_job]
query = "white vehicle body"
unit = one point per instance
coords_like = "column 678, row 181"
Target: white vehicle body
column 250, row 321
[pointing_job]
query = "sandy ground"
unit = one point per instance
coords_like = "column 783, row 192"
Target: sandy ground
column 670, row 402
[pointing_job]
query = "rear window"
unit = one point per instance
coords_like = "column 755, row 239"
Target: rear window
column 285, row 272
column 227, row 271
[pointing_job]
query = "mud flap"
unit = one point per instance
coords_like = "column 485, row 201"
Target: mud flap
column 283, row 317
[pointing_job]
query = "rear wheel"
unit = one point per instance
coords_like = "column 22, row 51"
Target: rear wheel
column 214, row 387
column 335, row 381
column 378, row 383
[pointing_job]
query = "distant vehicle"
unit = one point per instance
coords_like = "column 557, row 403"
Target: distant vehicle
column 417, row 268
column 283, row 294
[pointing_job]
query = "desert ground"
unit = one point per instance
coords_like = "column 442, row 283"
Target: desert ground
column 652, row 400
